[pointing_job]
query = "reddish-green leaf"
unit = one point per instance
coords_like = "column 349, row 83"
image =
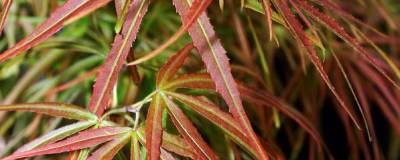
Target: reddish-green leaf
column 223, row 120
column 52, row 109
column 204, row 81
column 217, row 63
column 110, row 149
column 84, row 139
column 171, row 143
column 56, row 135
column 154, row 127
column 188, row 131
column 135, row 147
column 196, row 11
column 169, row 69
column 296, row 29
column 6, row 4
column 108, row 75
column 71, row 10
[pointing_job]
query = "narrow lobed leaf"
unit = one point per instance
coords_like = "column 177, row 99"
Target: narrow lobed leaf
column 188, row 131
column 212, row 112
column 70, row 11
column 169, row 69
column 154, row 127
column 84, row 139
column 110, row 149
column 56, row 135
column 217, row 64
column 106, row 79
column 295, row 27
column 6, row 4
column 53, row 109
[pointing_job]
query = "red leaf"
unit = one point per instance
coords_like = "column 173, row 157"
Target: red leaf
column 169, row 69
column 212, row 112
column 84, row 139
column 204, row 81
column 339, row 31
column 4, row 14
column 217, row 63
column 71, row 10
column 110, row 149
column 106, row 79
column 188, row 131
column 154, row 128
column 296, row 29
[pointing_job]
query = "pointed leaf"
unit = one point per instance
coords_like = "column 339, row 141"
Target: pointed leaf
column 171, row 143
column 169, row 69
column 188, row 131
column 204, row 81
column 217, row 63
column 339, row 31
column 52, row 109
column 110, row 149
column 6, row 4
column 71, row 10
column 84, row 139
column 135, row 147
column 56, row 135
column 295, row 28
column 154, row 128
column 212, row 112
column 108, row 76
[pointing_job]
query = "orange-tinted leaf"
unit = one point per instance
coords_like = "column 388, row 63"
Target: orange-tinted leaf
column 217, row 63
column 188, row 131
column 169, row 69
column 84, row 139
column 71, row 10
column 154, row 127
column 109, row 72
column 52, row 109
column 110, row 149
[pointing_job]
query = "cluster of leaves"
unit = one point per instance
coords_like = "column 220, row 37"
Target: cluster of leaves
column 180, row 110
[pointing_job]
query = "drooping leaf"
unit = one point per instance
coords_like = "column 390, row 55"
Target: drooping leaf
column 339, row 31
column 188, row 131
column 296, row 29
column 154, row 127
column 169, row 69
column 56, row 135
column 53, row 109
column 217, row 64
column 110, row 149
column 4, row 13
column 84, row 139
column 108, row 76
column 70, row 11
